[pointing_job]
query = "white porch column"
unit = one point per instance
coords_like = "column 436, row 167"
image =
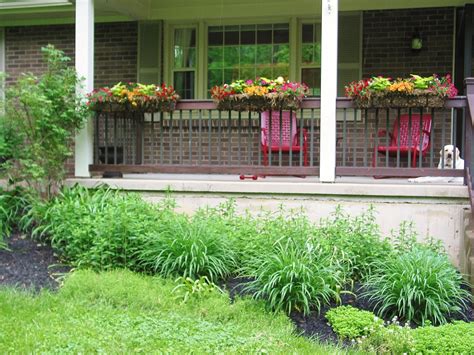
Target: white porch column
column 328, row 90
column 85, row 68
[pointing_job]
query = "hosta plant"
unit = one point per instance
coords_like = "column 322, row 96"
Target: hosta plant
column 417, row 286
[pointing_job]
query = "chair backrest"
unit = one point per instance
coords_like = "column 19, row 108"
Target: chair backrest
column 287, row 137
column 414, row 141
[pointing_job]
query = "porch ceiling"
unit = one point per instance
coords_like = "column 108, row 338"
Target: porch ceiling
column 60, row 11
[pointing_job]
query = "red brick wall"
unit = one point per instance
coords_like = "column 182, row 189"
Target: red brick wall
column 115, row 49
column 387, row 38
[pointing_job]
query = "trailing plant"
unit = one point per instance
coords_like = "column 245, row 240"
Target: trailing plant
column 188, row 247
column 418, row 285
column 43, row 112
column 293, row 277
column 351, row 323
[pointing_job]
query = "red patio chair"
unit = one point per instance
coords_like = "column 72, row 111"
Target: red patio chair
column 290, row 141
column 406, row 145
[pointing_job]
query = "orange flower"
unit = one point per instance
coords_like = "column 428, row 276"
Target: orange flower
column 256, row 90
column 402, row 86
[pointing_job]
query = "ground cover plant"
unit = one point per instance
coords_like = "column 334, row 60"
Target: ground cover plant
column 351, row 323
column 123, row 312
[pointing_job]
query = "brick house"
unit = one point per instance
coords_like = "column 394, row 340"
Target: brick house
column 194, row 45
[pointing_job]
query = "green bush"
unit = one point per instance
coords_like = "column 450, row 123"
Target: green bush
column 293, row 277
column 418, row 285
column 43, row 114
column 356, row 241
column 349, row 322
column 13, row 204
column 188, row 247
column 100, row 229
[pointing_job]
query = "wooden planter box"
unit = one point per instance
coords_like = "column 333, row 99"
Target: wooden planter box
column 425, row 100
column 145, row 106
column 255, row 103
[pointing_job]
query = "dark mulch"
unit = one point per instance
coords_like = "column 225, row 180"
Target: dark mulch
column 29, row 265
column 316, row 325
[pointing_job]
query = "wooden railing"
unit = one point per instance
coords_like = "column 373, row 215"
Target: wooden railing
column 196, row 138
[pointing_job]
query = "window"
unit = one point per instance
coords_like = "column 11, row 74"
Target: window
column 184, row 62
column 149, row 56
column 247, row 52
column 349, row 55
column 311, row 57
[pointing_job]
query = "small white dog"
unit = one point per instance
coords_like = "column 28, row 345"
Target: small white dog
column 448, row 155
column 447, row 158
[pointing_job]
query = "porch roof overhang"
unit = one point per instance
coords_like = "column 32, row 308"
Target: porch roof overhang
column 29, row 12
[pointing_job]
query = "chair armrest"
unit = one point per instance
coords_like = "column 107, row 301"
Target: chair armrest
column 263, row 137
column 305, row 135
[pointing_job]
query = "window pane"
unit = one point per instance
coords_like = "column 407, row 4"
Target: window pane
column 184, row 84
column 264, row 54
column 312, row 78
column 215, row 57
column 307, row 54
column 308, row 33
column 184, row 48
column 231, row 56
column 214, row 77
column 281, row 54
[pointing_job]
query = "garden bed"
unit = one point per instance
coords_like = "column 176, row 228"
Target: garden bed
column 29, row 265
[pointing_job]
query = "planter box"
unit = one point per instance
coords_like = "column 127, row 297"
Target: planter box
column 256, row 103
column 146, row 106
column 425, row 100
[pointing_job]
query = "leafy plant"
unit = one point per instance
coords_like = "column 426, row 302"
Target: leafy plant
column 349, row 322
column 188, row 288
column 43, row 113
column 356, row 242
column 293, row 277
column 189, row 248
column 418, row 285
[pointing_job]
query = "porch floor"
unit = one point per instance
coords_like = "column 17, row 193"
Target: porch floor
column 444, row 188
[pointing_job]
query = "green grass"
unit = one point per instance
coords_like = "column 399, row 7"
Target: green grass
column 123, row 312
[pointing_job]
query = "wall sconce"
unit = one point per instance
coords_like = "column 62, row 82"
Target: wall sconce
column 416, row 41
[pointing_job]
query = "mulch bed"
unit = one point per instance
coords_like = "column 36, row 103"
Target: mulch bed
column 32, row 265
column 29, row 265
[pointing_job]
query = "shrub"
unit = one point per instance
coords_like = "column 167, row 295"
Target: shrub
column 418, row 285
column 100, row 229
column 43, row 113
column 349, row 322
column 355, row 240
column 13, row 203
column 188, row 247
column 293, row 277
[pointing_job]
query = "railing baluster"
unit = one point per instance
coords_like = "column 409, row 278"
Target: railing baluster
column 463, row 132
column 387, row 130
column 344, row 137
column 170, row 136
column 421, row 138
column 124, row 137
column 249, row 140
column 376, row 135
column 366, row 135
column 311, row 144
column 239, row 135
column 259, row 139
column 209, row 137
column 161, row 139
column 96, row 145
column 301, row 137
column 409, row 136
column 106, row 138
column 290, row 153
column 115, row 138
column 398, row 138
column 229, row 138
column 181, row 137
column 219, row 130
column 432, row 138
column 190, row 136
column 443, row 141
column 354, row 134
column 270, row 137
column 199, row 137
column 280, row 152
column 454, row 131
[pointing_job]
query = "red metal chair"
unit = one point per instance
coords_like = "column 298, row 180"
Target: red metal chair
column 406, row 145
column 290, row 141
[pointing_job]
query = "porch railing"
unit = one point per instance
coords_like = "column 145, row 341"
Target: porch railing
column 196, row 138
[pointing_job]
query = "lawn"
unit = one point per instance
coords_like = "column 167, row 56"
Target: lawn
column 122, row 312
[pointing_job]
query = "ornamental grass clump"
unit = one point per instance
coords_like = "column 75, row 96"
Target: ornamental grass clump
column 418, row 285
column 296, row 277
column 188, row 247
